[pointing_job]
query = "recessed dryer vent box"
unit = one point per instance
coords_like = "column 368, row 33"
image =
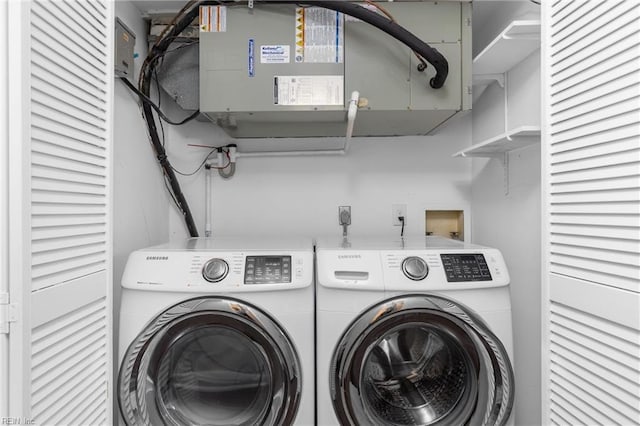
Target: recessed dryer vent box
column 288, row 71
column 445, row 223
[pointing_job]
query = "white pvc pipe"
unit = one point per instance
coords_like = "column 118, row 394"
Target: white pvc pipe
column 207, row 200
column 208, row 196
column 234, row 154
column 351, row 118
column 291, row 153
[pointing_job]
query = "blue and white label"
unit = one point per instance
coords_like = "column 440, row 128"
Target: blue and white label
column 251, row 65
column 275, row 54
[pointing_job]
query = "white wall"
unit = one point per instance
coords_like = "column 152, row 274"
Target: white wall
column 511, row 223
column 508, row 217
column 523, row 101
column 140, row 202
column 300, row 196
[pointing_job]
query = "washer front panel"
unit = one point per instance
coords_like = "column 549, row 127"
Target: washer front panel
column 420, row 360
column 214, row 361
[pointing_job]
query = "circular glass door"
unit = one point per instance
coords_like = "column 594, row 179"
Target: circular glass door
column 420, row 360
column 210, row 361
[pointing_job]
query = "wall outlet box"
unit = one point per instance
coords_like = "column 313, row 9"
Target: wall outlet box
column 398, row 210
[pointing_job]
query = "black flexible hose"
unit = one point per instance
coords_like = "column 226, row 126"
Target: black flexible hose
column 161, row 154
column 145, row 98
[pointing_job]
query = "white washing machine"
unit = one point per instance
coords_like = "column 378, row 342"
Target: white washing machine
column 412, row 332
column 218, row 332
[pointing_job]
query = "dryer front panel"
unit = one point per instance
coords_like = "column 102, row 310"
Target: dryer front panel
column 420, row 360
column 214, row 361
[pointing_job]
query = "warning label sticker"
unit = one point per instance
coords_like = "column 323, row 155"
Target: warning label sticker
column 319, row 35
column 213, row 19
column 309, row 90
column 274, row 54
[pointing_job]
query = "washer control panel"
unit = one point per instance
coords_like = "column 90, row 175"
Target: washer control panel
column 465, row 267
column 267, row 269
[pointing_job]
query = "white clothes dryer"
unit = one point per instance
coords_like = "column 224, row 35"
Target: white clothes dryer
column 412, row 332
column 218, row 332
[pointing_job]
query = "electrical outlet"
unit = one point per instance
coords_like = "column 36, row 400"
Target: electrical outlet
column 398, row 210
column 344, row 215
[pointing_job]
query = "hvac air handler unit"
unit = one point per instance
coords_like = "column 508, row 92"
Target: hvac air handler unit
column 282, row 70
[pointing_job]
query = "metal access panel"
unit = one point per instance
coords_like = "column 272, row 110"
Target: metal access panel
column 289, row 71
column 125, row 41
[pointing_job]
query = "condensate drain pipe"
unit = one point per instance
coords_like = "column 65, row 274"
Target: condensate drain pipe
column 351, row 118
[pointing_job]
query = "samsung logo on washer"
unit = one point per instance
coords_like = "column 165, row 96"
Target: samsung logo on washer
column 349, row 256
column 157, row 257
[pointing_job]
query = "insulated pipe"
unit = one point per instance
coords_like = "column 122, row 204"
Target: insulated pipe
column 395, row 30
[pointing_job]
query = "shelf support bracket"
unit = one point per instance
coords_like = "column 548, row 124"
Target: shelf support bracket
column 505, row 172
column 478, row 79
column 506, row 107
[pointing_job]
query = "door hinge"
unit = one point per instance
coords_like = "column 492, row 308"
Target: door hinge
column 7, row 313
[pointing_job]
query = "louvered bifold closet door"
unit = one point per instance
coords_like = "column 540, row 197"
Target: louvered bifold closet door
column 70, row 84
column 591, row 160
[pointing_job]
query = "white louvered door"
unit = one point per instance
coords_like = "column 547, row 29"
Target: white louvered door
column 4, row 205
column 60, row 100
column 591, row 168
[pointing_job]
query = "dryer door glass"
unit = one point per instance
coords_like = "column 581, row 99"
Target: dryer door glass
column 420, row 360
column 214, row 361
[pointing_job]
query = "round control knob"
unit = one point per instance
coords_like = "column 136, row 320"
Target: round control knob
column 215, row 270
column 415, row 268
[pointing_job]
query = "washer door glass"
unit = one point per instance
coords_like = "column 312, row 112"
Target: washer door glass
column 210, row 361
column 214, row 375
column 420, row 360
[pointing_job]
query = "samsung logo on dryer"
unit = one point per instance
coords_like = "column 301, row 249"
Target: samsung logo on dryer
column 349, row 256
column 157, row 257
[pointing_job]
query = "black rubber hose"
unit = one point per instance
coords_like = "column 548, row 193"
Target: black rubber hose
column 395, row 30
